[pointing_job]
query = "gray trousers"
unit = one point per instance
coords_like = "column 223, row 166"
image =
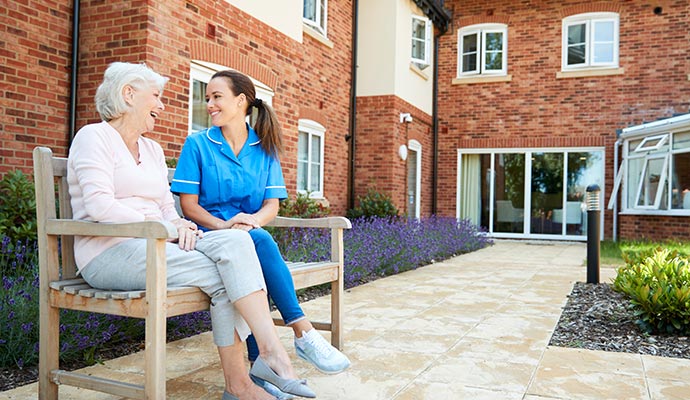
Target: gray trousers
column 224, row 265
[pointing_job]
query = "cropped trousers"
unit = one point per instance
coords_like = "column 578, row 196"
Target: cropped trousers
column 224, row 265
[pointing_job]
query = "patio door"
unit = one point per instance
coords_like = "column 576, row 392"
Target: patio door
column 528, row 193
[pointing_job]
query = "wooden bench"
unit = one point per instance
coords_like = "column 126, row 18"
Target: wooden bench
column 60, row 287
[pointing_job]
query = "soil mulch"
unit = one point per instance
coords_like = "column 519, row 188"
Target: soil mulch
column 598, row 318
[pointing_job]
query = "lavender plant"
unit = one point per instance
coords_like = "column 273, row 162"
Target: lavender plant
column 381, row 246
column 81, row 334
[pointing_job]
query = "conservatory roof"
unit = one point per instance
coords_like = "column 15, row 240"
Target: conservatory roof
column 673, row 124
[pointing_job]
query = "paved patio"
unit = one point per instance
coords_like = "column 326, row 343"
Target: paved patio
column 473, row 327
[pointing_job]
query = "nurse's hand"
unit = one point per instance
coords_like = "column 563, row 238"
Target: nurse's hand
column 242, row 219
column 243, row 227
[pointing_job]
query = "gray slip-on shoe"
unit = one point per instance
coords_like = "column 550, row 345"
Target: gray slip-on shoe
column 297, row 387
column 228, row 396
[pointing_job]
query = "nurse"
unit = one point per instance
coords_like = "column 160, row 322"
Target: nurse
column 229, row 177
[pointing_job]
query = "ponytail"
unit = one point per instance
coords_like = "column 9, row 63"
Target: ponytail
column 268, row 128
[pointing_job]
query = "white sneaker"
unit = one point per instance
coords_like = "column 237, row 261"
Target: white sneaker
column 313, row 348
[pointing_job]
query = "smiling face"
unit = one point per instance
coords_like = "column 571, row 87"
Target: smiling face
column 222, row 104
column 146, row 106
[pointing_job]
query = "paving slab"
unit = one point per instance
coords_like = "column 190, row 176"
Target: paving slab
column 476, row 326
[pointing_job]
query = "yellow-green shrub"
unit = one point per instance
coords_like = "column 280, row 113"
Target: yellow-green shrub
column 659, row 288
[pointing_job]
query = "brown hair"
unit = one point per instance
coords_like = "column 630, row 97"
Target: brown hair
column 266, row 125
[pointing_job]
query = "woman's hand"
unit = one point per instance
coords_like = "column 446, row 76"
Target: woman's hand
column 187, row 234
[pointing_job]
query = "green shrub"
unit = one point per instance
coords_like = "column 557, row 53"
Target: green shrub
column 373, row 204
column 634, row 253
column 17, row 207
column 303, row 206
column 659, row 288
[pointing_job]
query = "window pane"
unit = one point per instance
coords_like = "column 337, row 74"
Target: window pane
column 469, row 43
column 315, row 149
column 633, row 179
column 200, row 118
column 681, row 141
column 469, row 62
column 576, row 54
column 577, row 34
column 310, row 10
column 603, row 31
column 494, row 41
column 603, row 52
column 509, row 186
column 315, row 178
column 651, row 182
column 418, row 49
column 322, row 15
column 302, row 146
column 583, row 169
column 681, row 181
column 302, row 170
column 547, row 192
column 493, row 61
column 418, row 28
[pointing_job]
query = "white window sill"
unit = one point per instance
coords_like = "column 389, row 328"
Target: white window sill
column 421, row 72
column 677, row 212
column 317, row 35
column 580, row 73
column 482, row 79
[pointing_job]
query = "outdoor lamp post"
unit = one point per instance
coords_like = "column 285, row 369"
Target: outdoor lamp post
column 593, row 216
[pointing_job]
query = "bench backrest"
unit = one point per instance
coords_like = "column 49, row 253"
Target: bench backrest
column 53, row 201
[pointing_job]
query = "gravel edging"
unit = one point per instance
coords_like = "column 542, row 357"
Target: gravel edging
column 598, row 318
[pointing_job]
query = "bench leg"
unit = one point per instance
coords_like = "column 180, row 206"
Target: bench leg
column 49, row 348
column 337, row 314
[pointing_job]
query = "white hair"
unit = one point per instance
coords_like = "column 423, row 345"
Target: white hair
column 109, row 101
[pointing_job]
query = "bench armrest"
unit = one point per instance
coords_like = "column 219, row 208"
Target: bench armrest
column 327, row 222
column 144, row 229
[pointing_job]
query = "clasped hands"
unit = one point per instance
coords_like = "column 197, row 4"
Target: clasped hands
column 245, row 222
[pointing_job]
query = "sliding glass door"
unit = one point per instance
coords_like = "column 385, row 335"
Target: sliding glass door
column 536, row 193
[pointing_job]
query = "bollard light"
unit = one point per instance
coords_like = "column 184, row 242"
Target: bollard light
column 593, row 216
column 592, row 198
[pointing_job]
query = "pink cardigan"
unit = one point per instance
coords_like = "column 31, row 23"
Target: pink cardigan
column 107, row 185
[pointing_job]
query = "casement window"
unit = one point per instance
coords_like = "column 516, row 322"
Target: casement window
column 199, row 76
column 316, row 14
column 310, row 158
column 654, row 175
column 421, row 41
column 590, row 41
column 483, row 50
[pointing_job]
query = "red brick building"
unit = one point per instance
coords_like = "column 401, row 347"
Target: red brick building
column 531, row 98
column 498, row 111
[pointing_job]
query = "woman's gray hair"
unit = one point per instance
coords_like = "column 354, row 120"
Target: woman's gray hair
column 110, row 103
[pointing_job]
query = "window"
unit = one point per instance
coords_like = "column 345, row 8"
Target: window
column 316, row 14
column 310, row 158
column 590, row 41
column 201, row 72
column 421, row 41
column 655, row 174
column 482, row 50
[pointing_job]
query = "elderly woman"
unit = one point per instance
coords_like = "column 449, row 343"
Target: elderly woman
column 117, row 175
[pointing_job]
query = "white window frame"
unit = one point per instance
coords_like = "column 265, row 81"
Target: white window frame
column 415, row 146
column 589, row 20
column 317, row 22
column 425, row 42
column 481, row 30
column 203, row 71
column 312, row 129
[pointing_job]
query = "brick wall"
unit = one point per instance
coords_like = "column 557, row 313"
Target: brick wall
column 535, row 109
column 306, row 77
column 35, row 49
column 379, row 135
